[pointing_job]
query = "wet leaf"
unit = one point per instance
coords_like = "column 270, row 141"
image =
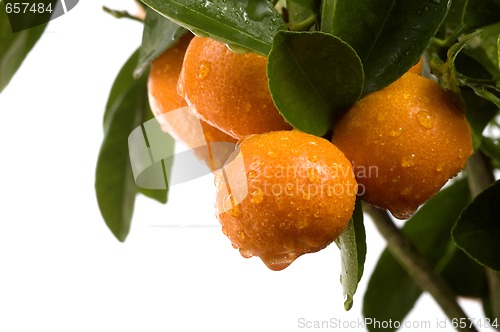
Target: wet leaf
column 158, row 35
column 484, row 49
column 391, row 34
column 242, row 24
column 352, row 244
column 478, row 229
column 127, row 108
column 300, row 11
column 307, row 78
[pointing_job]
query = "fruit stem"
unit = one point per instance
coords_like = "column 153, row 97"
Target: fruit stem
column 417, row 266
column 480, row 176
column 121, row 14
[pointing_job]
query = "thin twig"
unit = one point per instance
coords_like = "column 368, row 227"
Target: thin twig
column 417, row 266
column 121, row 14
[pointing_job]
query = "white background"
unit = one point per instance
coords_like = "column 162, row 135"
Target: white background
column 60, row 267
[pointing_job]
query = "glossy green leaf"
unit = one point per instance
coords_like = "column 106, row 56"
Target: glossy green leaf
column 479, row 113
column 465, row 277
column 484, row 48
column 302, row 14
column 158, row 35
column 468, row 15
column 388, row 35
column 352, row 244
column 242, row 24
column 167, row 163
column 391, row 293
column 127, row 108
column 14, row 47
column 122, row 82
column 478, row 229
column 307, row 74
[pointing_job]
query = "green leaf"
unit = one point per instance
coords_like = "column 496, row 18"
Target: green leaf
column 484, row 49
column 242, row 24
column 479, row 113
column 391, row 293
column 308, row 73
column 478, row 229
column 468, row 15
column 302, row 14
column 127, row 108
column 352, row 244
column 167, row 146
column 14, row 46
column 158, row 35
column 388, row 35
column 465, row 277
column 449, row 78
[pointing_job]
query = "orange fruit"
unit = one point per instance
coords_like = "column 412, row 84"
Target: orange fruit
column 229, row 90
column 283, row 194
column 405, row 141
column 164, row 98
column 163, row 78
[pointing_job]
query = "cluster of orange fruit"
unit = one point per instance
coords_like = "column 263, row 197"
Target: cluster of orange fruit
column 282, row 192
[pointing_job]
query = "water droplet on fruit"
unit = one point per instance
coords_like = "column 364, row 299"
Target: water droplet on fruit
column 241, row 235
column 461, row 154
column 426, row 119
column 180, row 88
column 270, row 154
column 257, row 196
column 279, row 263
column 301, row 224
column 440, row 167
column 229, row 208
column 313, row 175
column 317, row 214
column 313, row 158
column 245, row 253
column 203, row 70
column 408, row 161
column 403, row 214
column 396, row 132
column 251, row 174
column 405, row 191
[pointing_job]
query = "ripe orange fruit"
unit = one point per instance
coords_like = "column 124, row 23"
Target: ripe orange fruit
column 284, row 194
column 163, row 99
column 163, row 78
column 229, row 90
column 405, row 141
